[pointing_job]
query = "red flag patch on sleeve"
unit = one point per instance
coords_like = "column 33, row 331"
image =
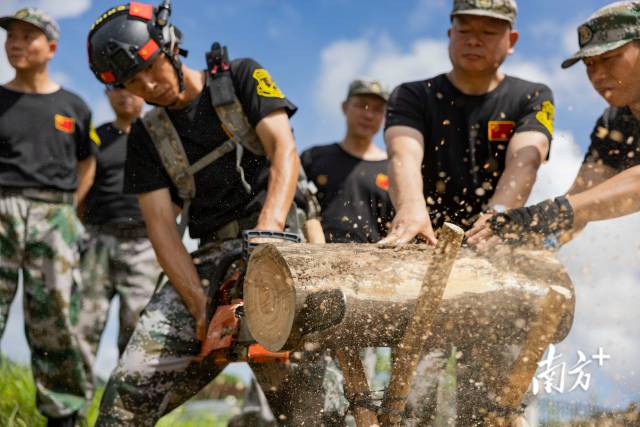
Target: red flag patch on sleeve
column 65, row 124
column 382, row 181
column 501, row 130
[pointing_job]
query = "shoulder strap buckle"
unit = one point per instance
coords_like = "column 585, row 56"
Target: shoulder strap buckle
column 217, row 59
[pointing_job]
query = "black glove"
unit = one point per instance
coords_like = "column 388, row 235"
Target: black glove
column 534, row 224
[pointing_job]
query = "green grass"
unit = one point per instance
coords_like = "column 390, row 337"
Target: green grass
column 18, row 403
column 18, row 397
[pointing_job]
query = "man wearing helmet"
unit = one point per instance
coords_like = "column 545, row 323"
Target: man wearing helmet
column 134, row 46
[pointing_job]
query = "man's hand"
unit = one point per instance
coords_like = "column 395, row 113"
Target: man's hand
column 405, row 147
column 480, row 236
column 197, row 306
column 410, row 222
column 526, row 226
column 159, row 216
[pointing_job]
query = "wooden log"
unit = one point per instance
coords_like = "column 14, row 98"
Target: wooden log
column 418, row 330
column 361, row 295
column 356, row 386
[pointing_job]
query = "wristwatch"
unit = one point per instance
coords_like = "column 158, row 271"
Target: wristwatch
column 495, row 209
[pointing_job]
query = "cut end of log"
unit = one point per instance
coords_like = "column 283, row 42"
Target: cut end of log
column 270, row 297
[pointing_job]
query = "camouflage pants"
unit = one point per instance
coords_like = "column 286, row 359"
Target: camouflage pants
column 157, row 371
column 113, row 266
column 41, row 239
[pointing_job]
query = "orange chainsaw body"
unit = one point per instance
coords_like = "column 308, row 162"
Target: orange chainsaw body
column 222, row 335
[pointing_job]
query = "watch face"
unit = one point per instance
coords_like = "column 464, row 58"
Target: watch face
column 499, row 208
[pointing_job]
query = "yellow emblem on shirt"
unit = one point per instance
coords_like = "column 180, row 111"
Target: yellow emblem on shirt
column 266, row 86
column 93, row 135
column 546, row 115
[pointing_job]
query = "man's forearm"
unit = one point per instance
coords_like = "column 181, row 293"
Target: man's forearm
column 86, row 170
column 283, row 178
column 615, row 197
column 405, row 182
column 516, row 182
column 172, row 255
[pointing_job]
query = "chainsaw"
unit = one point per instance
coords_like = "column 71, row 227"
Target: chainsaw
column 228, row 339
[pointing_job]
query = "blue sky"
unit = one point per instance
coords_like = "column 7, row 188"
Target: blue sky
column 313, row 49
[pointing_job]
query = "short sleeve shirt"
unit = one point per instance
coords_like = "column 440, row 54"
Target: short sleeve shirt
column 106, row 203
column 352, row 192
column 42, row 138
column 466, row 138
column 220, row 196
column 615, row 140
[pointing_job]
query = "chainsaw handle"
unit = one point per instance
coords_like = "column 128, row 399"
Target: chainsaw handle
column 222, row 265
column 247, row 235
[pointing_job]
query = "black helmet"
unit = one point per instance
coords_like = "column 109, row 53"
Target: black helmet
column 128, row 38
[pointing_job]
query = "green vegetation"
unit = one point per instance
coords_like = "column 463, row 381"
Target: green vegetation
column 18, row 397
column 18, row 403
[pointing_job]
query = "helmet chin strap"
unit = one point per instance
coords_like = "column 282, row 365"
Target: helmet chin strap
column 174, row 58
column 177, row 66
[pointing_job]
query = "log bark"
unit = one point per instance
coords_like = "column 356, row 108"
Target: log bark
column 359, row 295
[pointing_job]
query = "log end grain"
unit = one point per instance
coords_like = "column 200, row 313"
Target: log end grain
column 270, row 297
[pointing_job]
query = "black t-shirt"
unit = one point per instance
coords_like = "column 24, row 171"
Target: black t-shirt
column 106, row 204
column 220, row 196
column 352, row 193
column 42, row 136
column 466, row 138
column 615, row 140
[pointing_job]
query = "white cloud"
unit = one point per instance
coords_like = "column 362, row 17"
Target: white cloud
column 336, row 72
column 344, row 60
column 556, row 176
column 56, row 8
column 425, row 11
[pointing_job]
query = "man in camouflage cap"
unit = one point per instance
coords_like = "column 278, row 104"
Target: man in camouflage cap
column 35, row 17
column 608, row 183
column 500, row 9
column 609, row 28
column 47, row 162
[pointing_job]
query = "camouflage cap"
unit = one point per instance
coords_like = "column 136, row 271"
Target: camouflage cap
column 367, row 87
column 499, row 9
column 35, row 17
column 609, row 28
